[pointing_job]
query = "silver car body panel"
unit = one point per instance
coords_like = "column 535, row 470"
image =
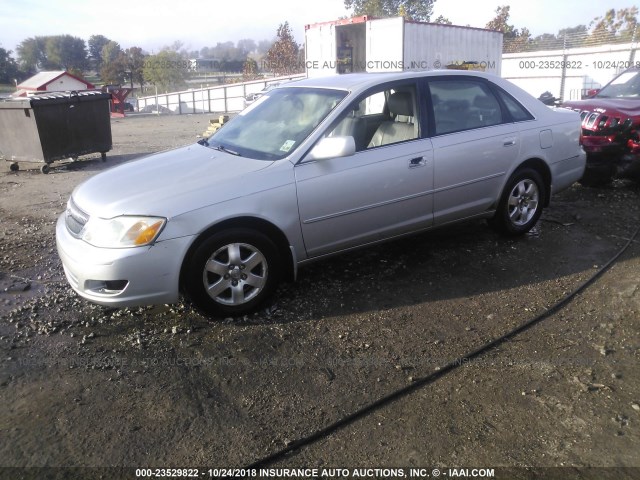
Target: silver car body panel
column 159, row 264
column 470, row 169
column 374, row 194
column 321, row 207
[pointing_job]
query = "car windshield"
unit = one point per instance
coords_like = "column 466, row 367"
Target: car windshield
column 627, row 85
column 277, row 123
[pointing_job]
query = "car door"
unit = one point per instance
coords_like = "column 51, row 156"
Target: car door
column 475, row 143
column 385, row 189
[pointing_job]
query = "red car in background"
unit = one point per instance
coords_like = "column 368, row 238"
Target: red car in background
column 611, row 129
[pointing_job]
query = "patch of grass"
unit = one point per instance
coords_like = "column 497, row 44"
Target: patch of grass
column 7, row 88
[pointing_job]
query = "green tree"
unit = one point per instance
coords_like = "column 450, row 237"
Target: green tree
column 61, row 52
column 419, row 10
column 110, row 51
column 522, row 40
column 573, row 37
column 31, row 54
column 66, row 52
column 122, row 66
column 443, row 20
column 514, row 40
column 168, row 70
column 282, row 57
column 547, row 41
column 250, row 69
column 8, row 67
column 499, row 22
column 114, row 63
column 615, row 26
column 135, row 64
column 96, row 43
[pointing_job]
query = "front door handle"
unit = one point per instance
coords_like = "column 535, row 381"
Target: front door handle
column 417, row 162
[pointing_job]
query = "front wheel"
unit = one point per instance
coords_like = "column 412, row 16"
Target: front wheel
column 232, row 272
column 521, row 203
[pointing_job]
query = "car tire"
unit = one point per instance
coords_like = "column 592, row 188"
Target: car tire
column 521, row 203
column 232, row 273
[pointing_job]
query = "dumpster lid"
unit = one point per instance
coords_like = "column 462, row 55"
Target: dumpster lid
column 68, row 94
column 46, row 98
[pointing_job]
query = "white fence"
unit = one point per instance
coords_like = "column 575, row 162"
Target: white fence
column 221, row 98
column 568, row 74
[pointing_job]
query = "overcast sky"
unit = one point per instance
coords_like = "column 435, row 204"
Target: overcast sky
column 199, row 23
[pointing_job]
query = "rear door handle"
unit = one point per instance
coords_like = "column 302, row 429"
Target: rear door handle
column 508, row 142
column 417, row 162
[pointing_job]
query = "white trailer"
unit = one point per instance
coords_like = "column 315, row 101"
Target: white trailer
column 365, row 44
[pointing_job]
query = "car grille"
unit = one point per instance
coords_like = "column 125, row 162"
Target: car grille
column 593, row 122
column 75, row 219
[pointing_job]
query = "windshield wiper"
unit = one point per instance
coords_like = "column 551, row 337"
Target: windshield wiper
column 222, row 148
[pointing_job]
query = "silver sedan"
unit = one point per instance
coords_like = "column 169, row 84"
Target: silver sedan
column 311, row 169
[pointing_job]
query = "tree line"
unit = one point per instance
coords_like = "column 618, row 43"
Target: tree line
column 168, row 69
column 619, row 26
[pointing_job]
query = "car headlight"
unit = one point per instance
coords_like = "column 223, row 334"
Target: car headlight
column 122, row 232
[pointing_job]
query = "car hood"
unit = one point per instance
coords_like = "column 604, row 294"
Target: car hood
column 170, row 183
column 610, row 106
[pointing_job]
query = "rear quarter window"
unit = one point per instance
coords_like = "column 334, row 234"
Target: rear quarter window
column 516, row 110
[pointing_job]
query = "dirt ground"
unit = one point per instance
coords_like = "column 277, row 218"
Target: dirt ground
column 87, row 386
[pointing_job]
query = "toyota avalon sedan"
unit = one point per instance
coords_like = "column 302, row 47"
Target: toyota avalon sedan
column 311, row 169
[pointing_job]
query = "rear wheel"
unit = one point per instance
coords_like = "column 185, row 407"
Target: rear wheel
column 232, row 272
column 521, row 204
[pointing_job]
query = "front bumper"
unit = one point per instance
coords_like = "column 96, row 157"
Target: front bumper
column 123, row 277
column 612, row 156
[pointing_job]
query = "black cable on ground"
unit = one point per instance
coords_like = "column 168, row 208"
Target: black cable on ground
column 421, row 382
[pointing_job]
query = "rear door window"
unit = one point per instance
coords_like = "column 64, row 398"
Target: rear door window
column 463, row 104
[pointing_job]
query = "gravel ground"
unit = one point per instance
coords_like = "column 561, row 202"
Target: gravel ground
column 87, row 386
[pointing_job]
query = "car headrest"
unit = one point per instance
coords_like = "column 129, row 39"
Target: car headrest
column 401, row 103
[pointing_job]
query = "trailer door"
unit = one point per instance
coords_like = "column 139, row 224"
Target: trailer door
column 320, row 44
column 385, row 45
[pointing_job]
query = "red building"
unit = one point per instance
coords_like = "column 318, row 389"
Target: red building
column 58, row 81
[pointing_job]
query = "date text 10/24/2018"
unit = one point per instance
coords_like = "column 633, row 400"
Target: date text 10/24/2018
column 576, row 64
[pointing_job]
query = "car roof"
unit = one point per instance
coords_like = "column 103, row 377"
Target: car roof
column 357, row 83
column 362, row 81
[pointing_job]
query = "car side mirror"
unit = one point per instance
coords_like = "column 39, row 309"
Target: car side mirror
column 332, row 147
column 592, row 92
